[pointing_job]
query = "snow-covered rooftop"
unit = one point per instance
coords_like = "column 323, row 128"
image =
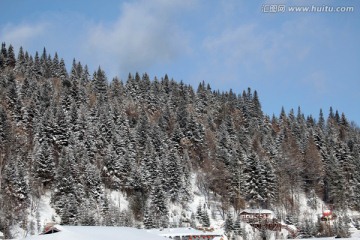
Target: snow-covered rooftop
column 258, row 211
column 97, row 233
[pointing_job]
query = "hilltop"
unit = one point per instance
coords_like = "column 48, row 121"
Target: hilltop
column 129, row 153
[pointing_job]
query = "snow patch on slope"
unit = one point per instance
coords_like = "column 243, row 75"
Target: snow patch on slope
column 40, row 213
column 306, row 211
column 47, row 213
column 119, row 200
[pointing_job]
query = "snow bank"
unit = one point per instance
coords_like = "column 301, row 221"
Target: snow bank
column 172, row 232
column 97, row 233
column 355, row 235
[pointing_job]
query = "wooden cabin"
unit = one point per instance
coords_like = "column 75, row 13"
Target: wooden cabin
column 252, row 215
column 328, row 215
column 50, row 228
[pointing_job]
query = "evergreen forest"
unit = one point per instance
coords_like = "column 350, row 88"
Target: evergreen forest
column 80, row 135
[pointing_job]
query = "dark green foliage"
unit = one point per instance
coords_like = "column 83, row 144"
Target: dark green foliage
column 202, row 215
column 238, row 231
column 229, row 225
column 342, row 227
column 148, row 219
column 158, row 207
column 100, row 84
column 308, row 229
column 11, row 57
column 44, row 166
column 3, row 56
column 254, row 180
column 4, row 128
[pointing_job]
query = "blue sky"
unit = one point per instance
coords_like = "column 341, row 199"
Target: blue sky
column 292, row 59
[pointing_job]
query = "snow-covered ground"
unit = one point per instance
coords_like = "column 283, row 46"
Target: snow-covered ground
column 172, row 232
column 97, row 233
column 355, row 235
column 109, row 233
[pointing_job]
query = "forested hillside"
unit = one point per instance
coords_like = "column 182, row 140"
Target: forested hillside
column 77, row 134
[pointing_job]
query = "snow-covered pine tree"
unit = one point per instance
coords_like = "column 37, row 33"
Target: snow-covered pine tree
column 229, row 225
column 158, row 206
column 238, row 231
column 254, row 180
column 64, row 197
column 44, row 164
column 148, row 219
column 269, row 184
column 10, row 61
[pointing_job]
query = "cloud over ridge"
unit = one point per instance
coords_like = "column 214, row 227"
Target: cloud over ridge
column 143, row 35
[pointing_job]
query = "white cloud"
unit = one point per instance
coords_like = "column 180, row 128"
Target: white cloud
column 236, row 44
column 318, row 82
column 250, row 45
column 20, row 35
column 143, row 35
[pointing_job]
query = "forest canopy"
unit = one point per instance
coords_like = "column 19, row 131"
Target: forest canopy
column 77, row 134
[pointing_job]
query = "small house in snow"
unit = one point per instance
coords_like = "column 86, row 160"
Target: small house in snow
column 328, row 215
column 50, row 228
column 250, row 215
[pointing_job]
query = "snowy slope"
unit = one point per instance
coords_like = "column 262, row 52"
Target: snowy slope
column 47, row 213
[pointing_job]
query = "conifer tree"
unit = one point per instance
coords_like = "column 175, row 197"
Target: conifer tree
column 3, row 56
column 237, row 227
column 100, row 84
column 148, row 219
column 173, row 176
column 64, row 197
column 158, row 205
column 44, row 166
column 20, row 62
column 4, row 130
column 268, row 187
column 62, row 72
column 205, row 218
column 254, row 180
column 11, row 61
column 229, row 225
